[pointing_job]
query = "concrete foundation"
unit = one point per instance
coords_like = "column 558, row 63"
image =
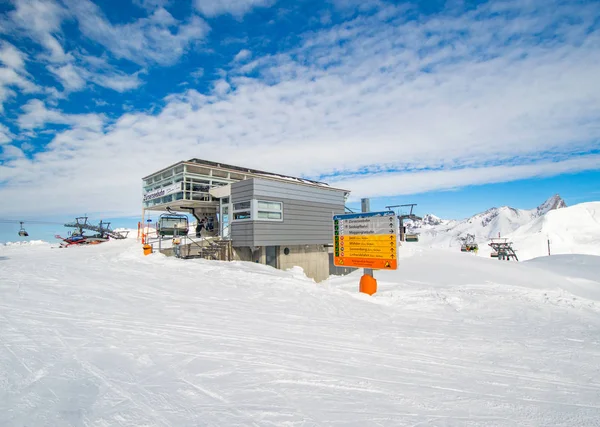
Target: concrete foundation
column 313, row 259
column 248, row 255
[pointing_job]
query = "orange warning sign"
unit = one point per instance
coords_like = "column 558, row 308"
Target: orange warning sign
column 379, row 264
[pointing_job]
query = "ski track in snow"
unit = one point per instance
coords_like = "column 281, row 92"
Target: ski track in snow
column 103, row 336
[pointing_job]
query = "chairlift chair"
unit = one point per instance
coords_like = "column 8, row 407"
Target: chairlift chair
column 172, row 224
column 22, row 231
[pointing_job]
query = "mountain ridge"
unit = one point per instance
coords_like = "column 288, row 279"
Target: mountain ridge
column 553, row 202
column 493, row 222
column 552, row 227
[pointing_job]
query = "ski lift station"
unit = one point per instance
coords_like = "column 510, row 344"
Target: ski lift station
column 264, row 217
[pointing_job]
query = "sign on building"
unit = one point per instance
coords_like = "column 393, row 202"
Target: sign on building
column 366, row 240
column 161, row 192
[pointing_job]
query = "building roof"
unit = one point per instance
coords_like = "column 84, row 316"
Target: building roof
column 255, row 172
column 252, row 171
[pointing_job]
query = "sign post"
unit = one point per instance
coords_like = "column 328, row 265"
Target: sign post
column 366, row 240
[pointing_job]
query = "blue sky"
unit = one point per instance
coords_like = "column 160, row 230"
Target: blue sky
column 455, row 105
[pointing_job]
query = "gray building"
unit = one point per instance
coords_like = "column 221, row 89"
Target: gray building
column 269, row 218
column 284, row 224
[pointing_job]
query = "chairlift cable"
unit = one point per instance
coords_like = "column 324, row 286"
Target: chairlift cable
column 17, row 221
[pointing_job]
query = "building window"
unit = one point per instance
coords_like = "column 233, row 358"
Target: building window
column 269, row 215
column 242, row 206
column 242, row 211
column 269, row 206
column 269, row 211
column 257, row 210
column 242, row 215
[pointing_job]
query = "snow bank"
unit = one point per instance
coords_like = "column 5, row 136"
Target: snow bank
column 25, row 243
column 104, row 336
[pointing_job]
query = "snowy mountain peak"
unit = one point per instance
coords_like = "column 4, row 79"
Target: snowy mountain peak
column 494, row 222
column 431, row 219
column 554, row 202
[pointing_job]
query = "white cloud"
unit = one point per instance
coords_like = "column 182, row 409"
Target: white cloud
column 237, row 8
column 221, row 87
column 69, row 76
column 95, row 70
column 6, row 135
column 159, row 38
column 13, row 75
column 474, row 97
column 37, row 116
column 116, row 80
column 197, row 74
column 384, row 184
column 242, row 55
column 10, row 152
column 41, row 20
column 151, row 4
column 11, row 57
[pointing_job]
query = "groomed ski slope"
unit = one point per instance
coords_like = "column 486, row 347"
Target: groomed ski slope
column 103, row 336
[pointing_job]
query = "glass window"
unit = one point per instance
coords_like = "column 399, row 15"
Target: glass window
column 242, row 211
column 269, row 215
column 272, row 206
column 242, row 215
column 179, row 169
column 199, row 181
column 241, row 205
column 269, row 211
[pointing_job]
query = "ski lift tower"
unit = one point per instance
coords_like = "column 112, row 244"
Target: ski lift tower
column 503, row 249
column 402, row 217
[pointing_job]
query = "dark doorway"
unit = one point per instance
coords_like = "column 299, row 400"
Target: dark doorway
column 271, row 256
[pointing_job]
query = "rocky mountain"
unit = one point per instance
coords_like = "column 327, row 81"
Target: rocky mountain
column 494, row 222
column 554, row 202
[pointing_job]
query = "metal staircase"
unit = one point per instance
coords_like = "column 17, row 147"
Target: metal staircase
column 218, row 250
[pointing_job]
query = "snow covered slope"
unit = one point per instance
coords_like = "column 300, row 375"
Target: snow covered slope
column 574, row 229
column 103, row 336
column 491, row 223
